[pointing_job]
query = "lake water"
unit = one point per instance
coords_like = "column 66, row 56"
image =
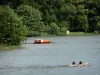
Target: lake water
column 52, row 59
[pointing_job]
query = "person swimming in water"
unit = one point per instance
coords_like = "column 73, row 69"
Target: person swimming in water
column 73, row 64
column 80, row 63
column 83, row 64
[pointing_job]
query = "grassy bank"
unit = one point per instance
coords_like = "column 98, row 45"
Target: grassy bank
column 71, row 34
column 80, row 34
column 8, row 47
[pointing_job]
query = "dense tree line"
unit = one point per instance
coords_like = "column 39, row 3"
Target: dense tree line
column 40, row 17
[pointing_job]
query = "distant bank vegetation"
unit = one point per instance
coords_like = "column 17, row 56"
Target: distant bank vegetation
column 21, row 18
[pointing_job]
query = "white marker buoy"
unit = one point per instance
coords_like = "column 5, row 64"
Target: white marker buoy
column 68, row 32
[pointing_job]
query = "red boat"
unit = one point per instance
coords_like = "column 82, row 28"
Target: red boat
column 41, row 41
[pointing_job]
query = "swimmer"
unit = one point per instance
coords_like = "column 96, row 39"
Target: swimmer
column 83, row 64
column 73, row 64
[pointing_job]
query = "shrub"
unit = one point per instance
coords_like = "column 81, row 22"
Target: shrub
column 12, row 30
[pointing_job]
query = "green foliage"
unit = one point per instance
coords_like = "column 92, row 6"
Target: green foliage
column 12, row 30
column 56, row 16
column 31, row 18
column 64, row 26
column 83, row 22
column 54, row 28
column 68, row 8
column 33, row 33
column 48, row 29
column 30, row 3
column 98, row 26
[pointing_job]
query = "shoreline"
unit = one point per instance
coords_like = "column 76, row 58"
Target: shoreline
column 13, row 47
column 70, row 34
column 9, row 47
column 81, row 34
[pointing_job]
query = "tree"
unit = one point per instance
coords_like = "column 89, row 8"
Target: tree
column 68, row 13
column 68, row 8
column 64, row 26
column 31, row 17
column 93, row 15
column 54, row 29
column 82, row 22
column 98, row 26
column 12, row 30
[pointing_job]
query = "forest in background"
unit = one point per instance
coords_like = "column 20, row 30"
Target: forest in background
column 21, row 18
